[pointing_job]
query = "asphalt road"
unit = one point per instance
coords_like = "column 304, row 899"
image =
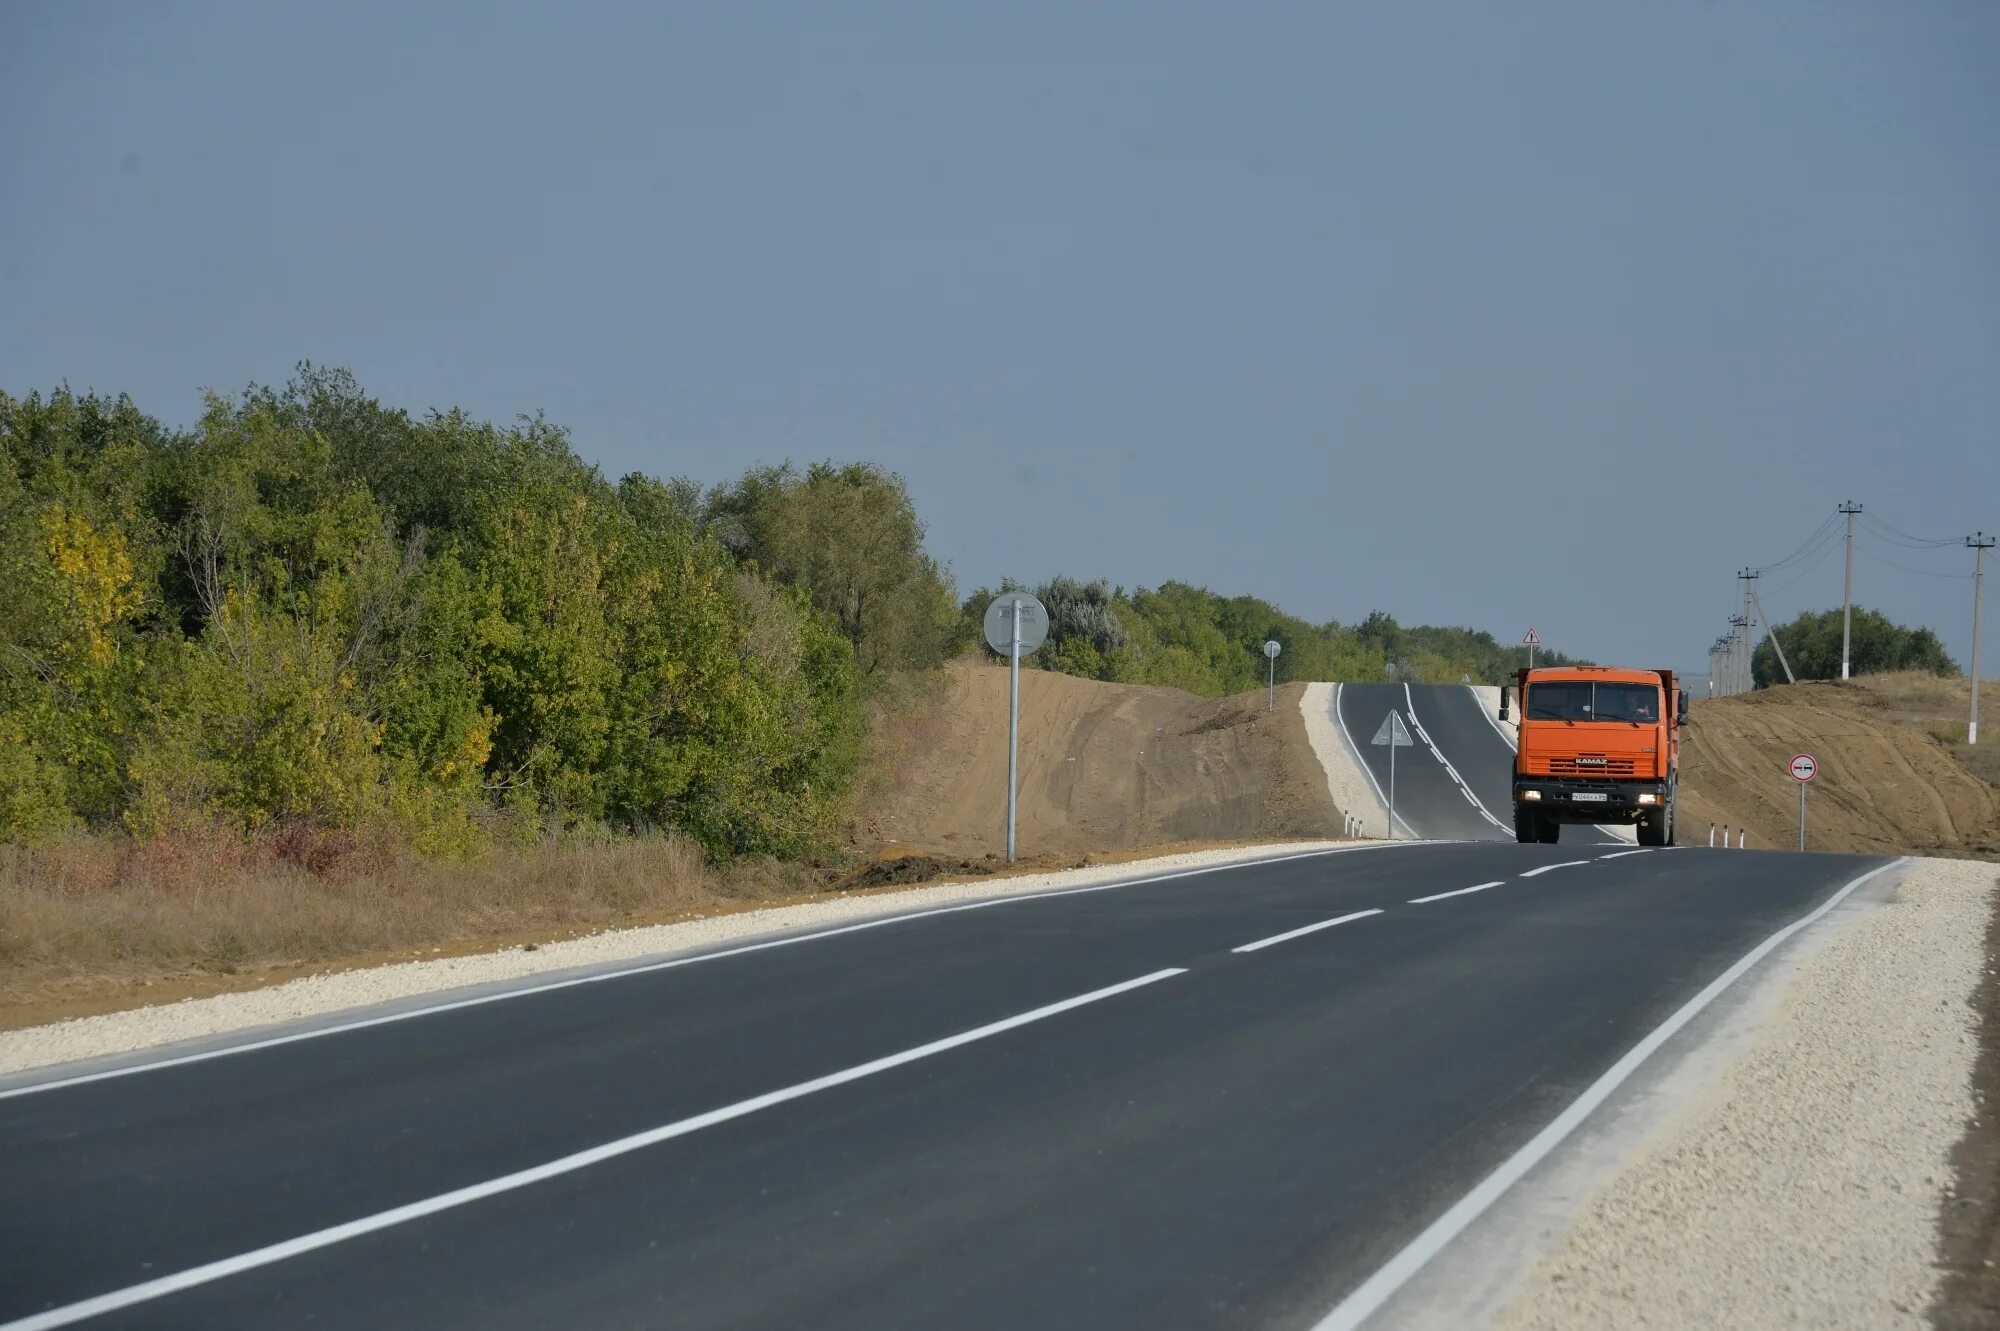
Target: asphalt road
column 1455, row 781
column 1187, row 1102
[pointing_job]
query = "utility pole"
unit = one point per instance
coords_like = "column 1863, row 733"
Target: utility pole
column 1771, row 630
column 1980, row 543
column 1750, row 576
column 1850, row 508
column 1740, row 629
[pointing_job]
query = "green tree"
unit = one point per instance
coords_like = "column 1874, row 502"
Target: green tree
column 1812, row 646
column 850, row 538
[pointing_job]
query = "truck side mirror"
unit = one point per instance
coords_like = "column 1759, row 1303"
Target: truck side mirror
column 1683, row 717
column 1503, row 701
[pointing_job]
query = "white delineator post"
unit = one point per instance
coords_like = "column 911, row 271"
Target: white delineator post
column 1981, row 543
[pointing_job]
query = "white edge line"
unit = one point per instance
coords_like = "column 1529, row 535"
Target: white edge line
column 1373, row 1292
column 1548, row 868
column 1282, row 938
column 1362, row 763
column 1647, row 850
column 1513, row 745
column 304, row 1243
column 1440, row 896
column 432, row 1009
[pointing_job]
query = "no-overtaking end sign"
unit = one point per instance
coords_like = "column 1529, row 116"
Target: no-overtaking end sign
column 1803, row 768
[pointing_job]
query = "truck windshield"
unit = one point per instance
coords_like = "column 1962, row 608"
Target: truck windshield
column 1584, row 700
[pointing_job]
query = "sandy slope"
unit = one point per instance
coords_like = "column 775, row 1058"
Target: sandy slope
column 1885, row 784
column 1103, row 766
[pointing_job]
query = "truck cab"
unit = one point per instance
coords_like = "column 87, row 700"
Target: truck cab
column 1598, row 745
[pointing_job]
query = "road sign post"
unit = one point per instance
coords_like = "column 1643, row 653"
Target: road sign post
column 1802, row 769
column 1271, row 650
column 1015, row 623
column 1531, row 640
column 1395, row 735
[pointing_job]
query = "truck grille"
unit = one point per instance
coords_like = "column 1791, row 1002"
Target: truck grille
column 1590, row 764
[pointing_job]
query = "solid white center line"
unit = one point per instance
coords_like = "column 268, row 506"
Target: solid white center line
column 1567, row 864
column 278, row 1252
column 1281, row 938
column 1440, row 896
column 1621, row 854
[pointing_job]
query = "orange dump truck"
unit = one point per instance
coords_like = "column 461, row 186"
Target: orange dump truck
column 1598, row 745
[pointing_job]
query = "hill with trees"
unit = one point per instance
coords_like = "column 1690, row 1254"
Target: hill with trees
column 1190, row 638
column 309, row 610
column 313, row 610
column 1879, row 646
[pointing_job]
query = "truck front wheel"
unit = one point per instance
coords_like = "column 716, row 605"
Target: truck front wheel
column 1527, row 824
column 1658, row 829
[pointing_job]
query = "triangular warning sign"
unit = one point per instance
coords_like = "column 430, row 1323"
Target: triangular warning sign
column 1393, row 731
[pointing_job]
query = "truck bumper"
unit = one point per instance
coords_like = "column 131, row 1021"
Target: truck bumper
column 1568, row 800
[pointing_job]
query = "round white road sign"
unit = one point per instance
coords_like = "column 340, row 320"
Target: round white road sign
column 1272, row 648
column 1000, row 623
column 1803, row 768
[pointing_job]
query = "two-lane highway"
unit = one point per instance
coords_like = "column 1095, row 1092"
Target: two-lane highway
column 1455, row 781
column 1220, row 1098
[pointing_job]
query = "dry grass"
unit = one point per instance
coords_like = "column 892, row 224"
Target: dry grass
column 98, row 910
column 1939, row 707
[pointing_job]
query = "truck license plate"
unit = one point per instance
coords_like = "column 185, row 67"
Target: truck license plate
column 1596, row 796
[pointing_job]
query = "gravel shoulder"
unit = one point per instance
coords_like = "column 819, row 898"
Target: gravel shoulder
column 319, row 995
column 1801, row 1184
column 1346, row 783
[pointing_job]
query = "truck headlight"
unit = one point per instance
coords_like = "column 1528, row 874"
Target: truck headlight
column 1531, row 794
column 1648, row 797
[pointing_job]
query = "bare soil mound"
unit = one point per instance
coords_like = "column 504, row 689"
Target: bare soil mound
column 1894, row 774
column 1102, row 766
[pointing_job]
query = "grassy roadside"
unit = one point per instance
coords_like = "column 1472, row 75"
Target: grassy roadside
column 100, row 924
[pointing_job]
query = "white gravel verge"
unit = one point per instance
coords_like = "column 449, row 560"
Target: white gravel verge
column 1345, row 781
column 1802, row 1188
column 318, row 995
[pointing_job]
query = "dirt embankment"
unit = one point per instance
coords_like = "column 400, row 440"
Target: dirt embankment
column 1102, row 766
column 1894, row 774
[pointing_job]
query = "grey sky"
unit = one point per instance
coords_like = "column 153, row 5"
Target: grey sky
column 1486, row 314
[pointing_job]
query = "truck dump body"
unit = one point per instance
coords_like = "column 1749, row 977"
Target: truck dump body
column 1598, row 744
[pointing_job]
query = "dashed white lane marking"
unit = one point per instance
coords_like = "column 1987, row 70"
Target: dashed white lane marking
column 650, row 967
column 1623, row 853
column 1281, row 938
column 1410, row 701
column 1440, row 896
column 1546, row 868
column 278, row 1252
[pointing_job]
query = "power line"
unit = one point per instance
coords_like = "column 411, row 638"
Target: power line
column 1824, row 529
column 1921, row 572
column 1894, row 536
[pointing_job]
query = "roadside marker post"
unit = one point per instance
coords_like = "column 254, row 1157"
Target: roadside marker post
column 1015, row 623
column 1271, row 650
column 1802, row 769
column 1395, row 735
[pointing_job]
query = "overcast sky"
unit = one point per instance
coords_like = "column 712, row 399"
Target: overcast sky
column 1497, row 315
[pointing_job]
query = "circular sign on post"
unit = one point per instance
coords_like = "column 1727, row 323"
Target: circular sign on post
column 1000, row 616
column 1803, row 768
column 1272, row 648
